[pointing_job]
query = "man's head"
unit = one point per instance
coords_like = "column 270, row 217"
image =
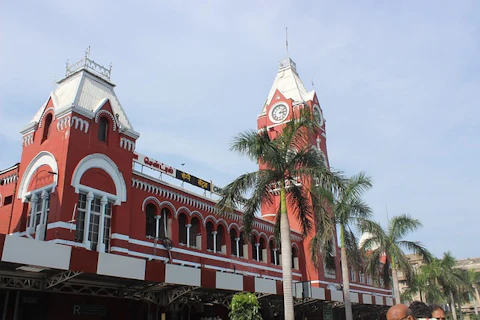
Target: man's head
column 420, row 310
column 437, row 312
column 400, row 312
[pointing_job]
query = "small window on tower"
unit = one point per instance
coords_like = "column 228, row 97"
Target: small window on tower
column 103, row 129
column 46, row 127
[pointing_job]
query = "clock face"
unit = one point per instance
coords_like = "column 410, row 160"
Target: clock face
column 317, row 115
column 279, row 113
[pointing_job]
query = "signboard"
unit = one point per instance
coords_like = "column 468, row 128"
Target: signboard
column 89, row 310
column 327, row 312
column 173, row 172
column 154, row 164
column 197, row 182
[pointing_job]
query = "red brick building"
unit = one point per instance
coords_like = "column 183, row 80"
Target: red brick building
column 92, row 229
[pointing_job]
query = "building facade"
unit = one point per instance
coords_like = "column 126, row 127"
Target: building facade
column 92, row 229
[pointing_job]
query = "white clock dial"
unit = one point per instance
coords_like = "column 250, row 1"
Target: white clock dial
column 317, row 114
column 279, row 113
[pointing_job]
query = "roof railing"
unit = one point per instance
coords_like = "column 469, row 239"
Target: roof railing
column 87, row 63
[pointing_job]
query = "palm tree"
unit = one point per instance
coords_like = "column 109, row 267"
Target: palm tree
column 287, row 158
column 348, row 210
column 389, row 244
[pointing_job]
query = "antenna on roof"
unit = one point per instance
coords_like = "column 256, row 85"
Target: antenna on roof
column 286, row 40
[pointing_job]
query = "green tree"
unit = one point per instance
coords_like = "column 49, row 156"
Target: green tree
column 286, row 159
column 389, row 243
column 348, row 210
column 244, row 306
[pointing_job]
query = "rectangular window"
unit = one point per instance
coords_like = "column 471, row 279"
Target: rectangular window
column 106, row 225
column 361, row 278
column 94, row 227
column 81, row 212
column 352, row 275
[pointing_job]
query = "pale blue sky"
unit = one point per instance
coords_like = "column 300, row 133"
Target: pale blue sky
column 399, row 84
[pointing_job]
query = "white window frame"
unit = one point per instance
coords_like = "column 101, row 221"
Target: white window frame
column 38, row 225
column 105, row 197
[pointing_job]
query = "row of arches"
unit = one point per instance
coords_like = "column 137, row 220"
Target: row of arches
column 213, row 236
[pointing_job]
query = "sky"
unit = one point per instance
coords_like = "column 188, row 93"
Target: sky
column 398, row 82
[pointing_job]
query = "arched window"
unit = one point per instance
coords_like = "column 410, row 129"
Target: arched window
column 274, row 258
column 260, row 251
column 220, row 240
column 233, row 243
column 210, row 240
column 294, row 258
column 194, row 232
column 150, row 213
column 103, row 129
column 182, row 229
column 240, row 245
column 255, row 253
column 46, row 127
column 162, row 228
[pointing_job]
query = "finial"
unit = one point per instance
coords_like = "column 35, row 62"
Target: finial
column 286, row 40
column 313, row 85
column 87, row 52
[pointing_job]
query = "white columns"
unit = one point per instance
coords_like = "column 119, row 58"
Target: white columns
column 188, row 234
column 33, row 201
column 237, row 242
column 40, row 228
column 86, row 226
column 257, row 246
column 157, row 225
column 275, row 256
column 101, row 225
column 214, row 241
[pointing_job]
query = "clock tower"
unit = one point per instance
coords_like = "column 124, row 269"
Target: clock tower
column 287, row 97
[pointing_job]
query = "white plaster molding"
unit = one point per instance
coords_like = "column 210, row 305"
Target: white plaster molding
column 114, row 121
column 106, row 164
column 43, row 115
column 63, row 123
column 27, row 139
column 79, row 122
column 150, row 198
column 127, row 144
column 236, row 226
column 43, row 158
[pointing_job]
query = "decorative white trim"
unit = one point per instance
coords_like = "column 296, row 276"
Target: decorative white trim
column 366, row 287
column 114, row 121
column 43, row 158
column 106, row 164
column 236, row 226
column 127, row 144
column 294, row 245
column 197, row 254
column 79, row 122
column 63, row 123
column 43, row 115
column 216, row 222
column 27, row 139
column 148, row 199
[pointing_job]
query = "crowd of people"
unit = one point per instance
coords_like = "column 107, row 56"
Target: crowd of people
column 417, row 310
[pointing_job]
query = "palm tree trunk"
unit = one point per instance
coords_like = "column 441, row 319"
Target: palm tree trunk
column 346, row 278
column 452, row 304
column 477, row 298
column 396, row 285
column 286, row 256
